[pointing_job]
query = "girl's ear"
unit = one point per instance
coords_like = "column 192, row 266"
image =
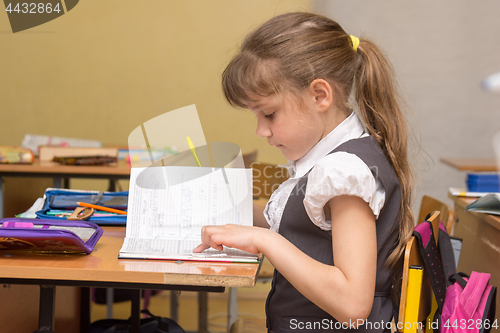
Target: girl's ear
column 321, row 94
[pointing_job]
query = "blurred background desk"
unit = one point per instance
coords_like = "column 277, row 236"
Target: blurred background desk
column 471, row 164
column 481, row 241
column 102, row 268
column 60, row 175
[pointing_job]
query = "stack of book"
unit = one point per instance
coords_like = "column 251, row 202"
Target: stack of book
column 483, row 182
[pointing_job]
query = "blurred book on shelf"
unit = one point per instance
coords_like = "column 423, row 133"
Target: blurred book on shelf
column 34, row 142
column 16, row 155
column 145, row 153
column 78, row 155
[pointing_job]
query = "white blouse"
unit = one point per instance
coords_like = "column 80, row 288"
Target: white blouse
column 335, row 174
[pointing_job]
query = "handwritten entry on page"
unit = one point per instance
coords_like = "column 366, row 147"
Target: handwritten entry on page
column 169, row 205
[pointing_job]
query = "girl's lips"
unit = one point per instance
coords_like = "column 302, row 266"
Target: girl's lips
column 276, row 145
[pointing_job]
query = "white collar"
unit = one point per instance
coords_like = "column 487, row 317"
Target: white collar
column 350, row 128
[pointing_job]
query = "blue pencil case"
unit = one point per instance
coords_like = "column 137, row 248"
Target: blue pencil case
column 58, row 202
column 483, row 182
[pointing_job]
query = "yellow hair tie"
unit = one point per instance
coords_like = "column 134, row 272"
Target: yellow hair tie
column 355, row 42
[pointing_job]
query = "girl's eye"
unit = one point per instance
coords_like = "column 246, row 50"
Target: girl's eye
column 271, row 115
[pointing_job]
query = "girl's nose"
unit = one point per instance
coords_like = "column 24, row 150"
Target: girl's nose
column 263, row 130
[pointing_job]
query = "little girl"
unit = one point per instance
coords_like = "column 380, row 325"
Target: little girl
column 339, row 225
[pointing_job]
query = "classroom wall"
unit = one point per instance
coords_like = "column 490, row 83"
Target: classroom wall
column 441, row 51
column 107, row 66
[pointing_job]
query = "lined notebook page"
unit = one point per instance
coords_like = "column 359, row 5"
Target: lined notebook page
column 169, row 205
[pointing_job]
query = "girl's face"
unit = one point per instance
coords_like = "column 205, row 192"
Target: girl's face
column 286, row 125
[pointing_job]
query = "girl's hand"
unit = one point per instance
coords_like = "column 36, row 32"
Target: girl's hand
column 245, row 238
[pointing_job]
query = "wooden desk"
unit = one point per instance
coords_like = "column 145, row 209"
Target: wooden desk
column 481, row 241
column 471, row 164
column 59, row 172
column 51, row 169
column 102, row 268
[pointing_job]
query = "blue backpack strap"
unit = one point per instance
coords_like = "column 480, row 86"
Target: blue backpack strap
column 430, row 255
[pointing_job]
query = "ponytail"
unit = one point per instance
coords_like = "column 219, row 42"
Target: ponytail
column 379, row 108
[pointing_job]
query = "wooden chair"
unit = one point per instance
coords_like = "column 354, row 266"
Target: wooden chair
column 412, row 257
column 249, row 158
column 267, row 178
column 244, row 325
column 430, row 204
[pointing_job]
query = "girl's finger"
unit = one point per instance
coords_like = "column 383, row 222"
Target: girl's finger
column 218, row 247
column 207, row 240
column 200, row 248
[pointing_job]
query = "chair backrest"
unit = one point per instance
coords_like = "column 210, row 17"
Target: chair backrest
column 430, row 204
column 267, row 178
column 249, row 158
column 412, row 257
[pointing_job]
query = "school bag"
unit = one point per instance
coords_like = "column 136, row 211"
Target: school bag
column 469, row 304
column 464, row 304
column 152, row 324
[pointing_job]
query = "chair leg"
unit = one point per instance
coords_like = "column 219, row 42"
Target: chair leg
column 146, row 296
column 135, row 311
column 174, row 305
column 232, row 307
column 109, row 302
column 203, row 312
column 85, row 304
column 46, row 309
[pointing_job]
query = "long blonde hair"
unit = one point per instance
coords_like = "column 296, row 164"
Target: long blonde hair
column 289, row 51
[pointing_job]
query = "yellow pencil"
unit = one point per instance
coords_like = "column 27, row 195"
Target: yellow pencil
column 106, row 209
column 193, row 150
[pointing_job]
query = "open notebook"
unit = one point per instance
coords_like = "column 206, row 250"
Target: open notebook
column 489, row 203
column 169, row 205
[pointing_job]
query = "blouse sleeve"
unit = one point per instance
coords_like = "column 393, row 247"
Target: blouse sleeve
column 341, row 173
